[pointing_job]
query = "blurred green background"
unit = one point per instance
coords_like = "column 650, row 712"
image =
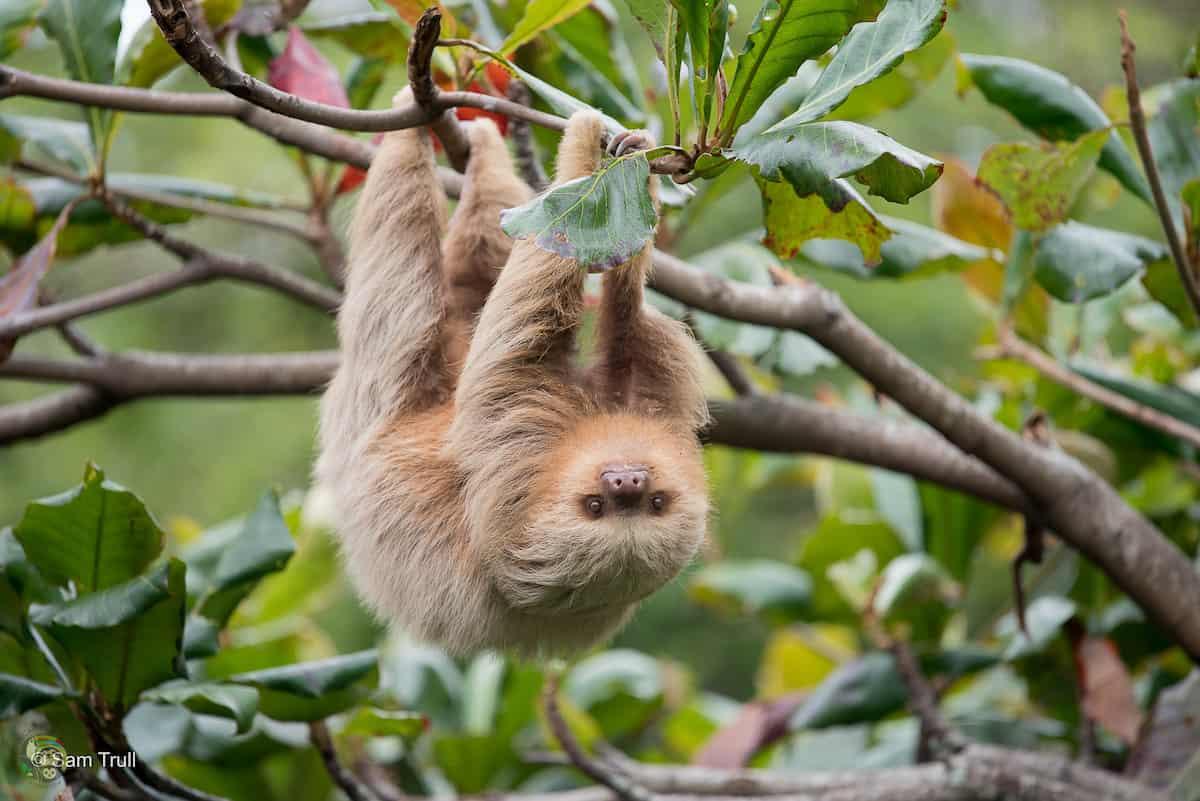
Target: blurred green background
column 206, row 460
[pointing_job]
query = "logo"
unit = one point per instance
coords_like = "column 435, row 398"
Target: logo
column 45, row 758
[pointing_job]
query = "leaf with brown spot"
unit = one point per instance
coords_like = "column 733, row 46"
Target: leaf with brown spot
column 966, row 209
column 1039, row 183
column 1106, row 687
column 19, row 289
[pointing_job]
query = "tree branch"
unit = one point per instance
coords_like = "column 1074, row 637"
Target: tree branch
column 1078, row 505
column 426, row 93
column 1137, row 123
column 344, row 779
column 1011, row 346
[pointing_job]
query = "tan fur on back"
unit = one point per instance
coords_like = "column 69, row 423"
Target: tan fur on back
column 459, row 440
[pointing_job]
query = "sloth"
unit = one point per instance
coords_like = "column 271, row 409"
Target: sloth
column 494, row 490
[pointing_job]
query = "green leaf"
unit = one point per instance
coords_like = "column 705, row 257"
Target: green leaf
column 657, row 19
column 869, row 50
column 1174, row 401
column 1048, row 104
column 540, row 15
column 913, row 250
column 1190, row 194
column 371, row 722
column 19, row 695
column 1039, row 184
column 775, row 591
column 861, row 691
column 910, row 579
column 839, row 538
column 799, row 355
column 839, row 212
column 87, row 33
column 97, row 535
column 811, row 156
column 239, row 704
column 559, row 101
column 371, row 34
column 61, row 141
column 147, row 57
column 17, row 17
column 588, row 55
column 264, row 547
column 1077, row 262
column 471, row 761
column 899, row 504
column 785, row 34
column 128, row 636
column 311, row 690
column 1174, row 141
column 896, row 88
column 600, row 220
column 363, row 80
column 1044, row 618
column 620, row 688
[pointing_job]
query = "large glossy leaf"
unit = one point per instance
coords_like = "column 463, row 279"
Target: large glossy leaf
column 1044, row 619
column 899, row 504
column 894, row 89
column 264, row 546
column 1174, row 141
column 775, row 591
column 913, row 250
column 1174, row 401
column 471, row 762
column 811, row 156
column 869, row 50
column 87, row 33
column 601, row 220
column 839, row 538
column 589, row 55
column 539, row 16
column 311, row 690
column 210, row 698
column 1039, row 184
column 128, row 636
column 1048, row 104
column 785, row 34
column 911, row 579
column 19, row 695
column 17, row 17
column 839, row 212
column 1077, row 262
column 657, row 18
column 96, row 536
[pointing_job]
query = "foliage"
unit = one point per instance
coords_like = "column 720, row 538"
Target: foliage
column 212, row 649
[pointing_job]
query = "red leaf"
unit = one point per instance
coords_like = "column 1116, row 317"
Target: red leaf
column 759, row 724
column 1106, row 687
column 467, row 113
column 19, row 289
column 301, row 70
column 497, row 76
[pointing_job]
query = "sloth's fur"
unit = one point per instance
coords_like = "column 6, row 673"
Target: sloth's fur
column 460, row 439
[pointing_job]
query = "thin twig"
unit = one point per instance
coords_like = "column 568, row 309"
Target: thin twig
column 604, row 775
column 1137, row 123
column 318, row 733
column 426, row 93
column 732, row 371
column 1011, row 346
column 524, row 148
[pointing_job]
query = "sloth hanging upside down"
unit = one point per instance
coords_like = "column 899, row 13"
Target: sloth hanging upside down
column 491, row 492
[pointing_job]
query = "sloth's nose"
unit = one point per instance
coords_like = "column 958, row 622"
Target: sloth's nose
column 626, row 486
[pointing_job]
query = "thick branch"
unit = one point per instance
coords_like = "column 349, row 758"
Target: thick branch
column 1137, row 123
column 1013, row 347
column 787, row 424
column 1070, row 499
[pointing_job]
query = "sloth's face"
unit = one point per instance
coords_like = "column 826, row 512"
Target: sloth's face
column 620, row 509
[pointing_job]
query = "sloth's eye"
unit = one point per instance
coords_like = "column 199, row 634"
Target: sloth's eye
column 658, row 501
column 594, row 505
